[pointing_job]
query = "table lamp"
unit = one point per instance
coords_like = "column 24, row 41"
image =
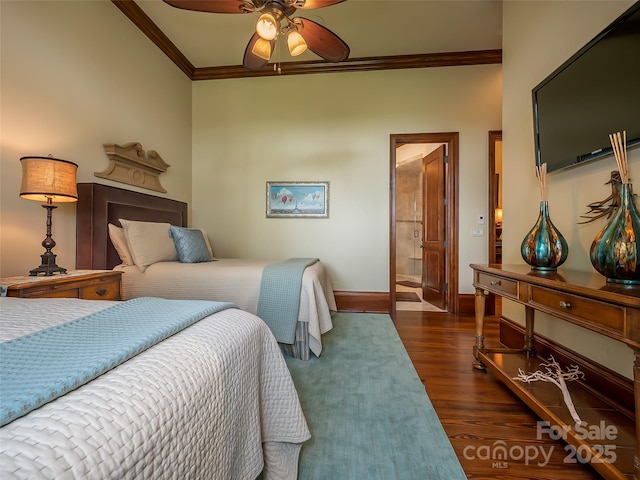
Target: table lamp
column 48, row 179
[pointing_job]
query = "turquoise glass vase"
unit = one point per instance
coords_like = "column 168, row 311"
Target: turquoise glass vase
column 544, row 247
column 614, row 251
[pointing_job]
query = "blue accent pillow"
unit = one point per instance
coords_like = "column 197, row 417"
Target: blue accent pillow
column 190, row 244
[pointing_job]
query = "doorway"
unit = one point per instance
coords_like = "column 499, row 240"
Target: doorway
column 494, row 303
column 424, row 218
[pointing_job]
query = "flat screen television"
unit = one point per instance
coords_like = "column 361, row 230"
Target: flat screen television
column 594, row 93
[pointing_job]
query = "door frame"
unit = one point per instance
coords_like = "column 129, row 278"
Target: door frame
column 451, row 140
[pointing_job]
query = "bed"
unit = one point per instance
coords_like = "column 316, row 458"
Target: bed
column 193, row 405
column 101, row 208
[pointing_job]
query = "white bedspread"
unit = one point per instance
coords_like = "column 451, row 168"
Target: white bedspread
column 208, row 403
column 236, row 281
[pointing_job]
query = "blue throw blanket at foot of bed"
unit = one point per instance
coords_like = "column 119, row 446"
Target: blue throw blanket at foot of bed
column 279, row 301
column 42, row 366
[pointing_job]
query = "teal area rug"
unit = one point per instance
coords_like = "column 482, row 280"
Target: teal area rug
column 368, row 412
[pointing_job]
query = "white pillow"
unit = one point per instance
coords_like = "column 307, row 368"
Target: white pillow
column 206, row 240
column 149, row 242
column 116, row 234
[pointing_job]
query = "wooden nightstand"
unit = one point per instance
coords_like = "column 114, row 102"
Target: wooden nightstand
column 86, row 284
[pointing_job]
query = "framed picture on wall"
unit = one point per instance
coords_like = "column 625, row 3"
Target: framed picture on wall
column 297, row 199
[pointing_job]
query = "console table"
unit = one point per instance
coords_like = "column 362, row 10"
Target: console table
column 585, row 299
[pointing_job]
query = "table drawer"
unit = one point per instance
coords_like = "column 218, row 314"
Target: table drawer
column 580, row 309
column 49, row 292
column 107, row 290
column 499, row 285
column 89, row 286
column 46, row 291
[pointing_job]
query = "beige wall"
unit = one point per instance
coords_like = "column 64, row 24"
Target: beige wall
column 336, row 128
column 75, row 75
column 538, row 37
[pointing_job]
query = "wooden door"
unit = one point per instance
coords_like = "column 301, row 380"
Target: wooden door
column 434, row 275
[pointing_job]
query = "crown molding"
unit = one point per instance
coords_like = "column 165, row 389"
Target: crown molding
column 425, row 60
column 447, row 59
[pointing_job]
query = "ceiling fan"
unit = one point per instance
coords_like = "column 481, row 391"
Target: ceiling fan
column 275, row 19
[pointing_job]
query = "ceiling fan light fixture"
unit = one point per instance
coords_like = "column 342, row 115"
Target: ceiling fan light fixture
column 296, row 43
column 276, row 18
column 262, row 49
column 267, row 26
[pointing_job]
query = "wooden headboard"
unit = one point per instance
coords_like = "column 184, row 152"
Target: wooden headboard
column 98, row 205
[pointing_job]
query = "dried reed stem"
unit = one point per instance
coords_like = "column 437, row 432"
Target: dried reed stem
column 541, row 173
column 619, row 145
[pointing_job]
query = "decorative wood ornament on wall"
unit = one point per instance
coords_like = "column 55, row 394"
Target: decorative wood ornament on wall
column 130, row 164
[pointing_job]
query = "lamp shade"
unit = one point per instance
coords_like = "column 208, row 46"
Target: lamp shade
column 267, row 26
column 296, row 43
column 48, row 177
column 262, row 49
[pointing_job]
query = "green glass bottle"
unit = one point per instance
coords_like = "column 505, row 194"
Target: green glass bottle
column 614, row 251
column 544, row 247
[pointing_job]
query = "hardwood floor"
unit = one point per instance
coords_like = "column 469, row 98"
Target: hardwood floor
column 478, row 412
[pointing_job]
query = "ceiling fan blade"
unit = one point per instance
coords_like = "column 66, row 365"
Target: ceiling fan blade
column 213, row 6
column 309, row 4
column 322, row 41
column 251, row 61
